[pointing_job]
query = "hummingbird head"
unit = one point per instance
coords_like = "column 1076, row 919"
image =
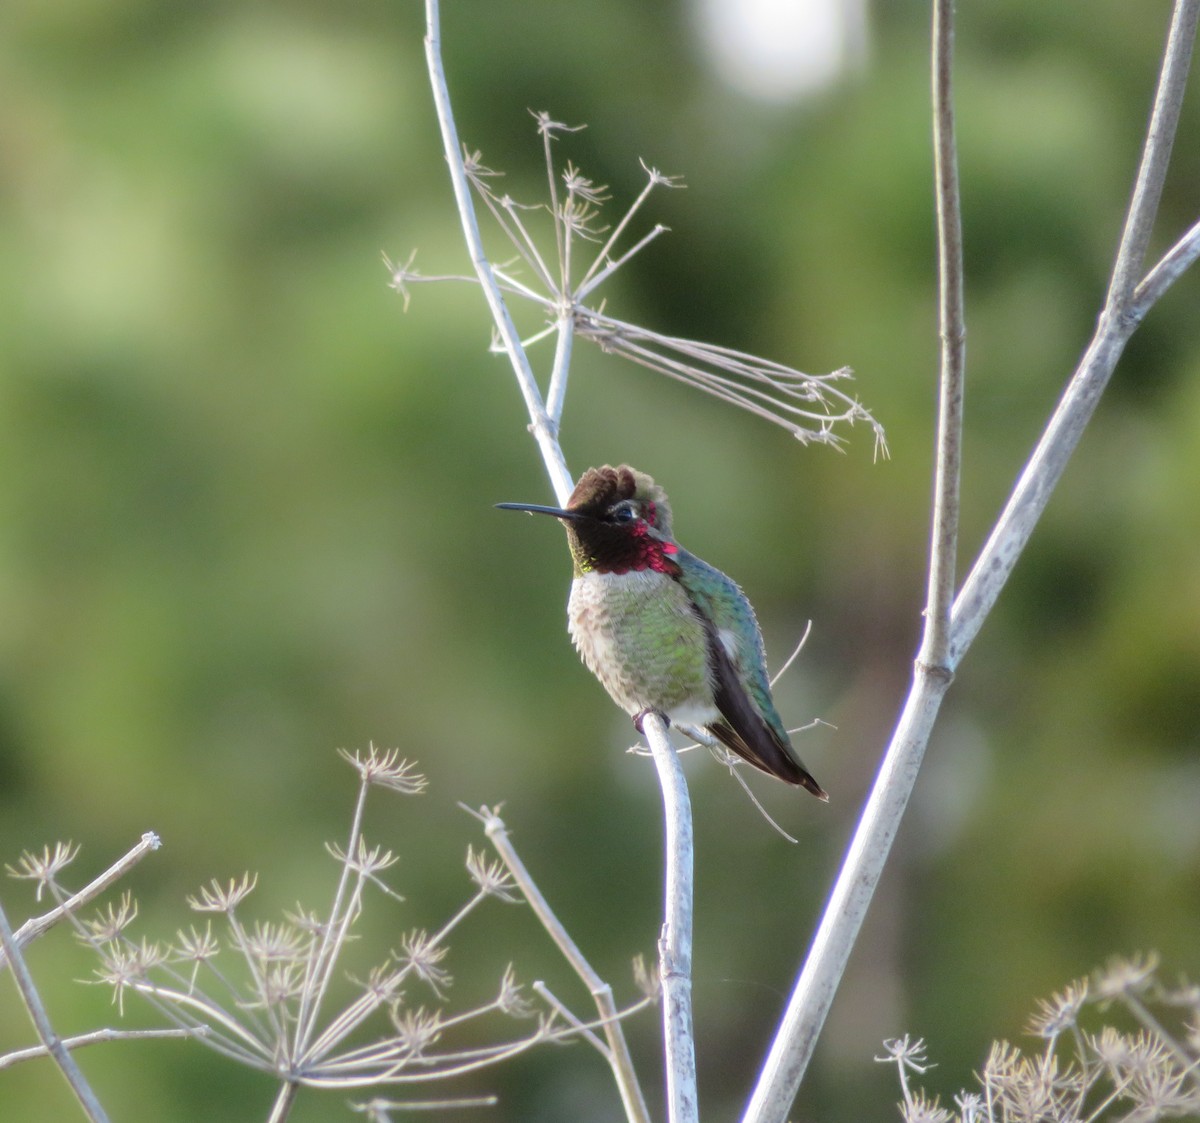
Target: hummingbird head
column 617, row 520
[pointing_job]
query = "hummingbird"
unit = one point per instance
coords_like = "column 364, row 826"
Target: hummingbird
column 663, row 631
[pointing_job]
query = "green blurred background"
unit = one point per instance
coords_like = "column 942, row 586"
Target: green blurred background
column 246, row 511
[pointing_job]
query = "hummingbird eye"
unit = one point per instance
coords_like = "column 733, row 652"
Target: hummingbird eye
column 624, row 512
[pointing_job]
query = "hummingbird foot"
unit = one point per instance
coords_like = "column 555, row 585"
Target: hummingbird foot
column 641, row 716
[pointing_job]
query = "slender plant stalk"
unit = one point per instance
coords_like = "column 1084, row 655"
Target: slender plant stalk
column 677, row 925
column 1172, row 266
column 282, row 1107
column 675, row 942
column 952, row 329
column 619, row 1059
column 53, row 1044
column 1126, row 304
column 39, row 925
column 544, row 429
column 943, row 647
column 1156, row 156
column 92, row 1037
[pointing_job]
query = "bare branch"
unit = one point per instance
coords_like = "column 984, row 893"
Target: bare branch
column 53, row 1044
column 95, row 1037
column 542, row 427
column 1116, row 324
column 38, row 925
column 618, row 1051
column 944, row 537
column 1177, row 260
column 1160, row 138
column 843, row 916
column 675, row 942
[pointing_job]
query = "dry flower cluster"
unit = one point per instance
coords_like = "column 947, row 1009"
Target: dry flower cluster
column 1147, row 1071
column 809, row 406
column 277, row 996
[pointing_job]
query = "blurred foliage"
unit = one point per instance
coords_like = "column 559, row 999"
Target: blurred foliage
column 246, row 508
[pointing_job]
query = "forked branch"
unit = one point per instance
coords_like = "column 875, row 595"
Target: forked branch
column 947, row 640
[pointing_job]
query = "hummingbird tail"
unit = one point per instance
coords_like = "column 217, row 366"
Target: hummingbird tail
column 768, row 756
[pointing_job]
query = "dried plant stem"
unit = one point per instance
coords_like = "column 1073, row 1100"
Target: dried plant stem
column 864, row 862
column 1123, row 311
column 282, row 1107
column 544, row 429
column 379, row 1109
column 38, row 925
column 675, row 942
column 952, row 328
column 947, row 636
column 94, row 1037
column 618, row 1056
column 813, row 994
column 1156, row 156
column 677, row 927
column 320, row 969
column 1172, row 266
column 53, row 1044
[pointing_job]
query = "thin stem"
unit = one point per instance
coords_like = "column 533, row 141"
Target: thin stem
column 38, row 925
column 319, row 969
column 1032, row 492
column 810, row 1000
column 617, row 231
column 541, row 425
column 373, row 997
column 619, row 1057
column 53, row 1044
column 282, row 1107
column 1175, row 262
column 1117, row 322
column 872, row 842
column 93, row 1037
column 953, row 333
column 546, row 128
column 587, row 286
column 1160, row 137
column 507, row 213
column 380, row 1108
column 675, row 942
column 562, row 364
column 238, row 1042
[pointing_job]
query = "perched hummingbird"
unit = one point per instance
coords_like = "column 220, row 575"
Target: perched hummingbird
column 663, row 631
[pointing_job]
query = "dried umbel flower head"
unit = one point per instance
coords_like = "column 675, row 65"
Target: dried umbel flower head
column 1080, row 1076
column 560, row 280
column 273, row 994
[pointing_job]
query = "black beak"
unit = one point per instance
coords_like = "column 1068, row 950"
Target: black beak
column 538, row 509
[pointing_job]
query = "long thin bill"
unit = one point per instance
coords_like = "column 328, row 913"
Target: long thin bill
column 538, row 509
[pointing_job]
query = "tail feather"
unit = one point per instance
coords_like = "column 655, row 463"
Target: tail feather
column 768, row 755
column 744, row 729
column 756, row 736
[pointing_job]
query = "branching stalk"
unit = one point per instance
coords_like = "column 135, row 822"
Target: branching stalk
column 681, row 1067
column 93, row 1037
column 50, row 1040
column 544, row 430
column 943, row 647
column 952, row 328
column 675, row 942
column 618, row 1051
column 39, row 925
column 1126, row 303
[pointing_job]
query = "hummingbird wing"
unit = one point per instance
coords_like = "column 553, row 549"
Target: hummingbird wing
column 750, row 725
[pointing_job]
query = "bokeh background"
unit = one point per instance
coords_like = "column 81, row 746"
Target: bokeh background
column 246, row 514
